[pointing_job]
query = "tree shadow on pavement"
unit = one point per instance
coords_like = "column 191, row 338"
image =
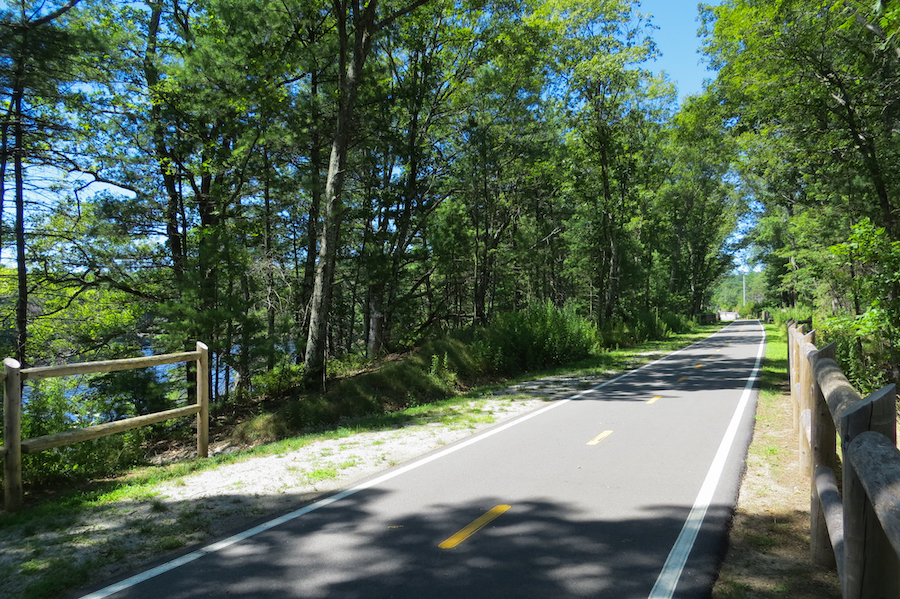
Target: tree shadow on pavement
column 535, row 549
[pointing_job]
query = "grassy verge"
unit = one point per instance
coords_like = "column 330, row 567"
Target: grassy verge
column 768, row 556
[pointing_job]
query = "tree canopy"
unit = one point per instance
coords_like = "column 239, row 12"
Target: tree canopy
column 296, row 181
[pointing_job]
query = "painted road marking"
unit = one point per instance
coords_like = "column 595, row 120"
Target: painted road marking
column 678, row 556
column 654, row 399
column 699, row 366
column 474, row 527
column 599, row 437
column 682, row 379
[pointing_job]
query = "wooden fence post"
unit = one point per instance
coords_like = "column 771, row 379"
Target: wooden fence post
column 12, row 436
column 869, row 555
column 792, row 365
column 824, row 454
column 203, row 400
column 806, row 378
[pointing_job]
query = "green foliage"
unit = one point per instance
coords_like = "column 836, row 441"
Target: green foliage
column 128, row 392
column 280, row 381
column 644, row 326
column 729, row 292
column 539, row 336
column 783, row 315
column 441, row 372
column 264, row 428
column 677, row 323
column 750, row 310
column 56, row 405
column 502, row 159
column 878, row 282
column 864, row 358
column 808, row 91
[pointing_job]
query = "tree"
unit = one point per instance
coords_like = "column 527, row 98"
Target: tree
column 38, row 58
column 357, row 26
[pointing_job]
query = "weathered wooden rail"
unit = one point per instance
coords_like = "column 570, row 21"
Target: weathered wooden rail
column 14, row 376
column 855, row 526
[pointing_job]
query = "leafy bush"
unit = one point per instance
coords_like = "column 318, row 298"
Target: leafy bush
column 648, row 325
column 441, row 372
column 281, row 380
column 861, row 351
column 55, row 405
column 541, row 335
column 781, row 317
column 677, row 323
column 643, row 326
column 750, row 310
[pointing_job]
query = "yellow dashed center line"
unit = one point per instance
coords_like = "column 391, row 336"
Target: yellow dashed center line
column 654, row 399
column 699, row 366
column 684, row 378
column 599, row 437
column 474, row 527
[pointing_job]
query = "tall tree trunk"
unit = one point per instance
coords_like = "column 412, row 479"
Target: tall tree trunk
column 270, row 275
column 320, row 302
column 164, row 157
column 21, row 267
column 351, row 62
column 4, row 160
column 315, row 200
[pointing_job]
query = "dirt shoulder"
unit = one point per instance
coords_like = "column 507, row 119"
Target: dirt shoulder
column 768, row 556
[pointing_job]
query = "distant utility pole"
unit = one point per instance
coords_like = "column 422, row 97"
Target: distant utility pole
column 744, row 277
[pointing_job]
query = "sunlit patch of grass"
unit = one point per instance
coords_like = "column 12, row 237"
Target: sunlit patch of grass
column 56, row 576
column 169, row 543
column 321, row 474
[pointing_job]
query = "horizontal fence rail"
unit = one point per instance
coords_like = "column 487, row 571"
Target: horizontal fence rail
column 13, row 376
column 854, row 526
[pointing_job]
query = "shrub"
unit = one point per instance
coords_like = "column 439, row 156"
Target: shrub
column 281, row 380
column 861, row 351
column 781, row 317
column 750, row 310
column 677, row 323
column 541, row 335
column 54, row 405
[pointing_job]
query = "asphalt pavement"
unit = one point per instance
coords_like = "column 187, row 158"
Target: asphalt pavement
column 622, row 491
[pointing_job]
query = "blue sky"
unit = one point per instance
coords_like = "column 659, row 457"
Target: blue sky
column 676, row 37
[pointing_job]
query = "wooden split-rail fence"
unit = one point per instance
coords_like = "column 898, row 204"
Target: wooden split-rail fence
column 14, row 446
column 854, row 525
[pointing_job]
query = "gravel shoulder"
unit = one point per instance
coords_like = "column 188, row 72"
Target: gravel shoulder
column 768, row 555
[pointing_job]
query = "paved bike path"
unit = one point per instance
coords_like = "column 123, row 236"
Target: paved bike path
column 586, row 497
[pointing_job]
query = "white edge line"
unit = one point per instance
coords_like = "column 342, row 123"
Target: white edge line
column 678, row 556
column 251, row 532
